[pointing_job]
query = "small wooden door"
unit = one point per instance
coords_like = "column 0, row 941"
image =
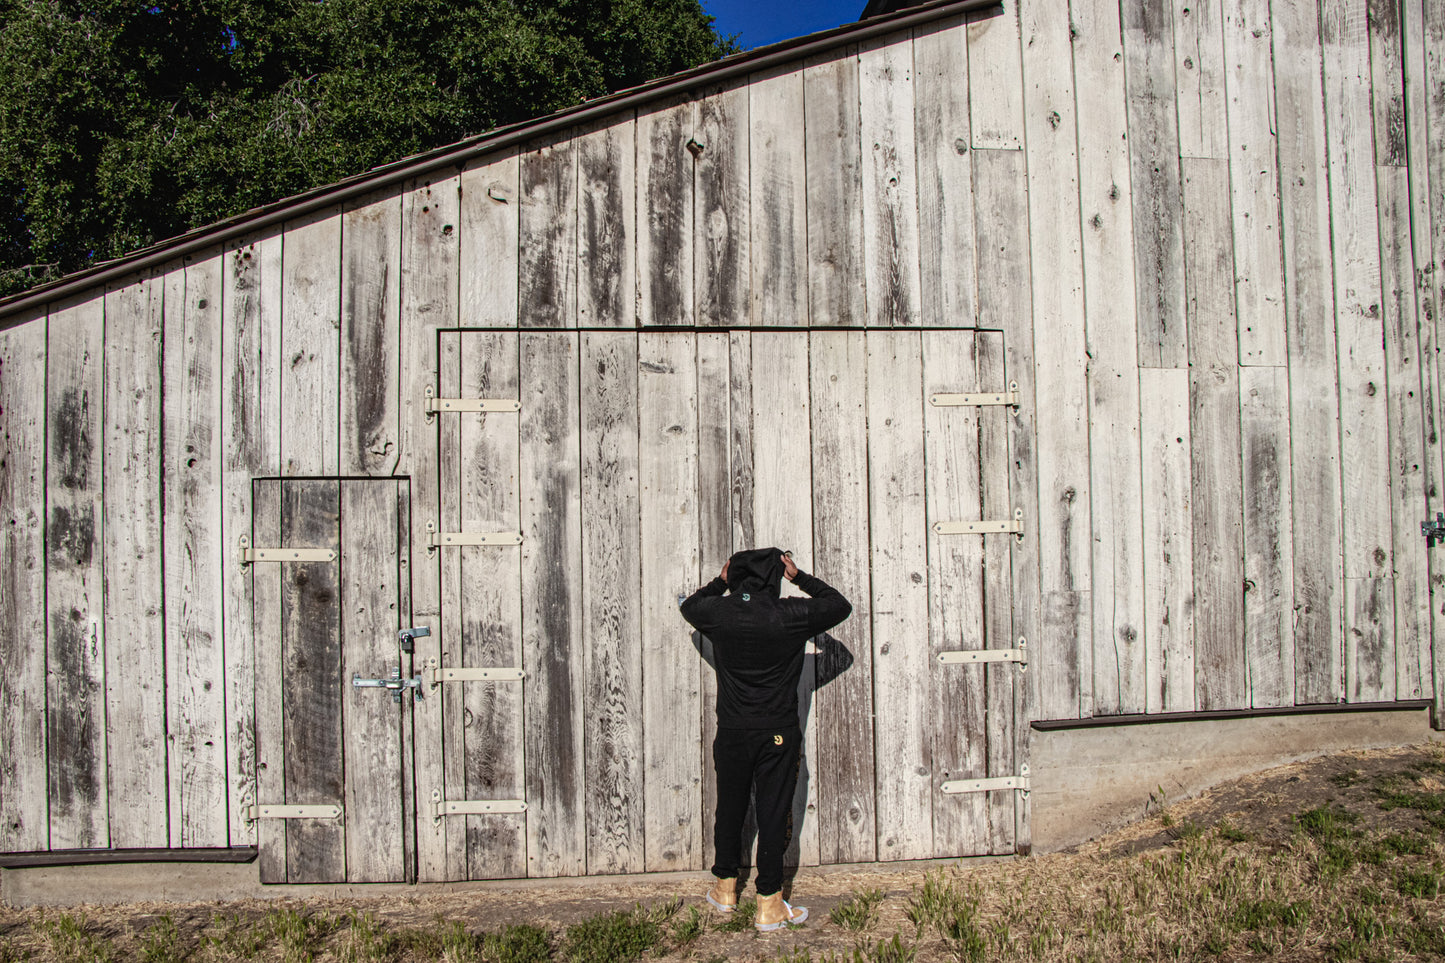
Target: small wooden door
column 322, row 741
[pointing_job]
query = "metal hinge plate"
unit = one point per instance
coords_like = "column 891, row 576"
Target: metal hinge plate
column 1014, row 525
column 436, row 540
column 293, row 812
column 978, row 399
column 472, row 807
column 972, row 656
column 992, row 784
column 458, row 674
column 435, row 405
column 1434, row 531
column 251, row 555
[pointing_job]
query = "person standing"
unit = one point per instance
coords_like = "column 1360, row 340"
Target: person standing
column 758, row 643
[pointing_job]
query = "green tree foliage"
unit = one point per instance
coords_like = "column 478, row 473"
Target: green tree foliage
column 124, row 122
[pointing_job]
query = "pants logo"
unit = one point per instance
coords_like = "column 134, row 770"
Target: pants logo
column 777, row 740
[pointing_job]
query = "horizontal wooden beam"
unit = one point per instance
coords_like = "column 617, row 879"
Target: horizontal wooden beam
column 91, row 857
column 1053, row 725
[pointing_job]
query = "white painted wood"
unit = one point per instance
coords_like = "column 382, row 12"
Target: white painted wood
column 782, row 518
column 547, row 258
column 488, row 240
column 370, row 329
column 671, row 676
column 1199, row 72
column 606, row 224
column 24, row 809
column 311, row 345
column 1254, row 182
column 777, row 198
column 195, row 665
column 135, row 676
column 890, row 182
column 722, row 254
column 835, row 208
column 1268, row 550
column 1168, row 541
column 901, row 656
column 995, row 83
column 666, row 231
column 947, row 293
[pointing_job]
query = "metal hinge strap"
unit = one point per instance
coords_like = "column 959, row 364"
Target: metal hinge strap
column 1014, row 525
column 978, row 399
column 991, row 784
column 293, row 812
column 459, row 674
column 972, row 656
column 472, row 807
column 251, row 555
column 434, row 405
column 1434, row 531
column 436, row 540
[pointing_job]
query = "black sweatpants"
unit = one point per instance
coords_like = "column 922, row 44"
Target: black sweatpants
column 765, row 760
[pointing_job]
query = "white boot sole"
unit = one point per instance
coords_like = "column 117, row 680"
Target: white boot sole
column 796, row 916
column 720, row 907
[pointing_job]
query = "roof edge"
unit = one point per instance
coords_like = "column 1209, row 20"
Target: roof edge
column 459, row 153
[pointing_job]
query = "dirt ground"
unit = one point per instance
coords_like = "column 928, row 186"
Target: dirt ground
column 1259, row 814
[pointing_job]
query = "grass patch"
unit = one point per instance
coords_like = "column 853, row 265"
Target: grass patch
column 161, row 942
column 1327, row 823
column 859, row 911
column 518, row 943
column 937, row 900
column 1418, row 883
column 740, row 919
column 688, row 927
column 1259, row 914
column 1348, row 778
column 71, row 941
column 1230, row 833
column 618, row 937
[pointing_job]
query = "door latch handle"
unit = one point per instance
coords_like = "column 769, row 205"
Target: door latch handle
column 409, row 636
column 396, row 684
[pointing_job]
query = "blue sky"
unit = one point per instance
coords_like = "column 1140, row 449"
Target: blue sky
column 761, row 22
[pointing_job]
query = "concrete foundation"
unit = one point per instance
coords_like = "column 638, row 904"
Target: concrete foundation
column 1089, row 781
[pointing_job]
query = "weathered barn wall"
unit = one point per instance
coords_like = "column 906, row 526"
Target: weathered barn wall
column 1203, row 240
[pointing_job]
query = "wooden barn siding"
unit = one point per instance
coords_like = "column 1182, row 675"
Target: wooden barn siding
column 1211, row 234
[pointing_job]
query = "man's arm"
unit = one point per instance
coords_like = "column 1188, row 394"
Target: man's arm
column 827, row 606
column 694, row 607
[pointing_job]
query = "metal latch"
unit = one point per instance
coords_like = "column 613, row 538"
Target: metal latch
column 1434, row 531
column 435, row 539
column 1014, row 525
column 434, row 404
column 254, row 813
column 1009, row 397
column 409, row 636
column 471, row 807
column 972, row 656
column 396, row 684
column 992, row 784
column 250, row 555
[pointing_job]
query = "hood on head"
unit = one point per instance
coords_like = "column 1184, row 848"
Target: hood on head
column 757, row 571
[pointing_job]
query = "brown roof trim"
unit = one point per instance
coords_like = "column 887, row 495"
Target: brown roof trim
column 458, row 154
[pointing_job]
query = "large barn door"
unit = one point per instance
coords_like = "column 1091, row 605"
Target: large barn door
column 334, row 768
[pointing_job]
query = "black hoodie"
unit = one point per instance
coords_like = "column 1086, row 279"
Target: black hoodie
column 758, row 638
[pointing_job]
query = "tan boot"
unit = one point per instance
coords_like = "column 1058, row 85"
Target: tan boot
column 774, row 913
column 724, row 895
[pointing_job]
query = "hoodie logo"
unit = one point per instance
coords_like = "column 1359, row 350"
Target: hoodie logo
column 777, row 740
column 747, row 597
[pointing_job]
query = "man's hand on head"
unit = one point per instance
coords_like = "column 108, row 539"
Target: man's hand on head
column 724, row 575
column 790, row 571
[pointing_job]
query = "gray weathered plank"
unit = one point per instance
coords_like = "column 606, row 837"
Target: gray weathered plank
column 1268, row 549
column 896, row 496
column 488, row 240
column 269, row 733
column 714, row 510
column 452, row 456
column 370, row 329
column 552, row 652
column 995, row 83
column 1387, row 77
column 24, row 811
column 311, row 345
column 665, row 232
column 721, row 251
column 1425, row 67
column 612, row 610
column 1158, row 215
column 191, row 460
column 370, row 719
column 671, row 697
column 947, row 286
column 835, row 211
column 838, row 370
column 1199, row 74
column 1217, row 484
column 606, row 224
column 1168, row 540
column 311, row 700
column 135, row 676
column 1314, row 384
column 777, row 198
column 890, row 182
column 547, row 248
column 740, row 437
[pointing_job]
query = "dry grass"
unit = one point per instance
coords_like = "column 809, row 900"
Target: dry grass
column 1337, row 859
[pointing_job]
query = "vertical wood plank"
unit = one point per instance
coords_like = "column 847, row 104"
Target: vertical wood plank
column 1216, row 467
column 838, row 376
column 311, row 345
column 483, row 609
column 24, row 811
column 430, row 266
column 1314, row 386
column 1387, row 79
column 135, row 676
column 612, row 610
column 249, row 379
column 1113, row 346
column 453, row 464
column 606, row 225
column 665, row 232
column 777, row 198
column 667, row 480
column 370, row 329
column 552, row 653
column 1200, row 75
column 782, row 517
column 900, row 597
column 722, row 254
column 1168, row 522
column 890, row 181
column 947, row 286
column 547, row 258
column 311, row 667
column 1254, row 182
column 270, row 729
column 191, row 471
column 956, row 695
column 740, row 437
column 1268, row 563
column 1158, row 215
column 488, row 240
column 835, row 212
column 995, row 82
column 370, row 718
